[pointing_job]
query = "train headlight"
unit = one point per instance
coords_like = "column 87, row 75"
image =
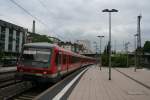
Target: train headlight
column 44, row 72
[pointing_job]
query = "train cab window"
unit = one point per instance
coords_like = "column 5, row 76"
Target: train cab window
column 36, row 57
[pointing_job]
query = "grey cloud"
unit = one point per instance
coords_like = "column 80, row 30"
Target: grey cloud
column 81, row 19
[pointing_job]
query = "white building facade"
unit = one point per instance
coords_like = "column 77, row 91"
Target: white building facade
column 12, row 37
column 86, row 45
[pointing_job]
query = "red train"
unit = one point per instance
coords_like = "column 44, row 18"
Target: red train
column 48, row 62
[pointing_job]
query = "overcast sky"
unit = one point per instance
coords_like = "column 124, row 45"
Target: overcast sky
column 72, row 20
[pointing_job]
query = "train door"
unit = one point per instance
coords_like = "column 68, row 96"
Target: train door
column 58, row 61
column 67, row 63
column 62, row 67
column 66, row 57
column 64, row 63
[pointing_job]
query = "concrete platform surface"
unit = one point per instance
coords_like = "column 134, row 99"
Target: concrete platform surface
column 7, row 69
column 94, row 85
column 142, row 75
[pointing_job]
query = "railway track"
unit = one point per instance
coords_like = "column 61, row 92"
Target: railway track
column 61, row 87
column 10, row 86
column 7, row 76
column 7, row 79
column 25, row 90
column 10, row 82
column 14, row 89
column 31, row 93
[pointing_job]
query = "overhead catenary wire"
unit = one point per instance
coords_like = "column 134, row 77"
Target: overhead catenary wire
column 49, row 12
column 36, row 18
column 26, row 11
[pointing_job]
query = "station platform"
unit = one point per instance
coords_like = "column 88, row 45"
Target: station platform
column 8, row 69
column 141, row 75
column 94, row 85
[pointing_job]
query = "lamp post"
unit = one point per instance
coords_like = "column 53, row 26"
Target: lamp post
column 126, row 47
column 109, row 12
column 95, row 50
column 100, row 37
column 135, row 53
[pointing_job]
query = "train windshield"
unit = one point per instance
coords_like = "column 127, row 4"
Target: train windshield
column 36, row 57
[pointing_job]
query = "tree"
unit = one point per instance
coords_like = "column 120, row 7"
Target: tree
column 105, row 56
column 39, row 38
column 146, row 47
column 106, row 50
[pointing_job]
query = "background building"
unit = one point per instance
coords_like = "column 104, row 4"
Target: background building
column 67, row 45
column 74, row 47
column 55, row 40
column 12, row 37
column 86, row 46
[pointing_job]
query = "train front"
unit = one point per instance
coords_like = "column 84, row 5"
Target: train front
column 34, row 63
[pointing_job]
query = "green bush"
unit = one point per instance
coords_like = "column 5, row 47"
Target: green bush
column 105, row 60
column 117, row 60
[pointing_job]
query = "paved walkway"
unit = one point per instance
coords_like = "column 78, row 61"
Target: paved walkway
column 94, row 85
column 142, row 75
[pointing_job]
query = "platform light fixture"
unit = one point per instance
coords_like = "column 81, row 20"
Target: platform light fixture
column 109, row 12
column 100, row 53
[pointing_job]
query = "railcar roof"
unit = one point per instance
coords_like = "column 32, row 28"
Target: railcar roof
column 49, row 45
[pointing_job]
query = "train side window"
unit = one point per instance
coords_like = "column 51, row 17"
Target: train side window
column 58, row 59
column 74, row 59
column 65, row 59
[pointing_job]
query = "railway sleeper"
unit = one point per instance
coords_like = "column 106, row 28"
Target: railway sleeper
column 13, row 90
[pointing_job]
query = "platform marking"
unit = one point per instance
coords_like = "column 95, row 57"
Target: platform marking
column 128, row 76
column 66, row 88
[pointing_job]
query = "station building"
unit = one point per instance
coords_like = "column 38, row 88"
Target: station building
column 12, row 37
